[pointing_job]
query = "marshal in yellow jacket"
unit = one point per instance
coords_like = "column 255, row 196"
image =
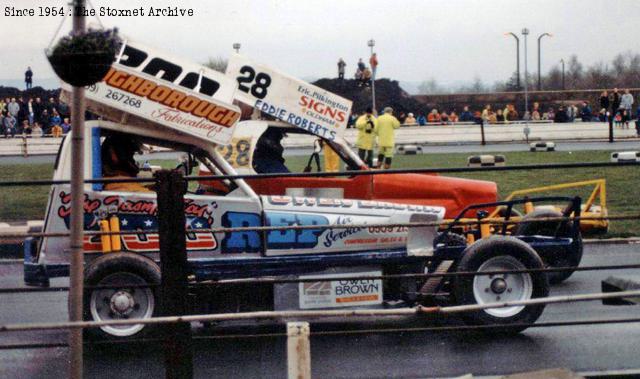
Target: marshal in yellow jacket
column 385, row 130
column 366, row 125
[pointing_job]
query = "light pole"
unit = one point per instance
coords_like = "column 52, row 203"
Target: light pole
column 236, row 47
column 539, row 59
column 562, row 61
column 371, row 43
column 517, row 58
column 525, row 33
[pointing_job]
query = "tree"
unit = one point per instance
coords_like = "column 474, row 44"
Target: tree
column 430, row 87
column 574, row 73
column 218, row 64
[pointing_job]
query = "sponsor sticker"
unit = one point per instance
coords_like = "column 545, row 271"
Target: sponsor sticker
column 289, row 99
column 351, row 292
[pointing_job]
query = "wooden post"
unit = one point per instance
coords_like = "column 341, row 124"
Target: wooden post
column 298, row 350
column 171, row 187
column 484, row 142
column 76, row 223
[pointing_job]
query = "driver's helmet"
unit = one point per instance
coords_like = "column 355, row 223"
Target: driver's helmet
column 125, row 147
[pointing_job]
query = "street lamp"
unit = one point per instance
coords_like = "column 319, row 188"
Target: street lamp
column 517, row 58
column 371, row 43
column 539, row 38
column 525, row 33
column 562, row 61
column 236, row 47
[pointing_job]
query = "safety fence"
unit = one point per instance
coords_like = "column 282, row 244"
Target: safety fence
column 177, row 279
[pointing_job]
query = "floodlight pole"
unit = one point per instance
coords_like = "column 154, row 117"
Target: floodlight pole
column 540, row 59
column 76, row 270
column 236, row 47
column 371, row 43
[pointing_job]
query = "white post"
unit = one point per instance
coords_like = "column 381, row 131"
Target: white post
column 298, row 350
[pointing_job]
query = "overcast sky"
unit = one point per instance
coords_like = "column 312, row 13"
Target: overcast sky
column 450, row 40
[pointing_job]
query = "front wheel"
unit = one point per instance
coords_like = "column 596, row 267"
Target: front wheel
column 500, row 253
column 122, row 295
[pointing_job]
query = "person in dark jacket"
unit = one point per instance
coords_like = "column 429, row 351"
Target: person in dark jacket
column 604, row 104
column 28, row 78
column 585, row 112
column 560, row 116
column 616, row 99
column 466, row 116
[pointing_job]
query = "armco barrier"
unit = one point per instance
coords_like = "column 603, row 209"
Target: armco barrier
column 465, row 133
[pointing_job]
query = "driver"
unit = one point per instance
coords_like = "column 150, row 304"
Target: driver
column 117, row 162
column 267, row 158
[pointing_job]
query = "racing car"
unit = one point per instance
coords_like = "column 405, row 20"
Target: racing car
column 150, row 98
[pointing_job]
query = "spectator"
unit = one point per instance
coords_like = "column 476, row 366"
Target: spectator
column 366, row 76
column 535, row 115
column 561, row 116
column 44, row 118
column 499, row 116
column 9, row 124
column 386, row 138
column 30, row 112
column 23, row 114
column 56, row 131
column 453, row 117
column 585, row 112
column 433, row 116
column 512, row 115
column 477, row 117
column 410, row 120
column 536, row 108
column 13, row 108
column 28, row 78
column 604, row 103
column 602, row 115
column 615, row 103
column 571, row 113
column 361, row 65
column 55, row 119
column 492, row 118
column 3, row 106
column 366, row 126
column 341, row 66
column 626, row 103
column 358, row 77
column 485, row 113
column 37, row 130
column 466, row 116
column 26, row 128
column 38, row 107
column 373, row 62
column 444, row 118
column 51, row 105
column 551, row 114
column 402, row 117
column 422, row 121
column 505, row 112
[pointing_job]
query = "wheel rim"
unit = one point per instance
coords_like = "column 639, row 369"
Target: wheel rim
column 122, row 303
column 502, row 287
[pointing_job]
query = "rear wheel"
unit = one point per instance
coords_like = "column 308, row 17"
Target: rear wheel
column 500, row 253
column 122, row 274
column 559, row 257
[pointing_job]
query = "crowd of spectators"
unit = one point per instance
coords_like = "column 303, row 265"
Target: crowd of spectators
column 33, row 117
column 364, row 74
column 617, row 106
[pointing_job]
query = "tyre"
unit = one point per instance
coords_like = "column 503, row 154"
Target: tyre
column 118, row 270
column 498, row 253
column 559, row 257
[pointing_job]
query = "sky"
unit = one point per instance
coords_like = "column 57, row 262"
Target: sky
column 452, row 41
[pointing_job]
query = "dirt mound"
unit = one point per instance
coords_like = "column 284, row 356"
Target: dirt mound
column 388, row 94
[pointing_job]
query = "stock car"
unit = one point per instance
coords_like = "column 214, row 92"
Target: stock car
column 310, row 253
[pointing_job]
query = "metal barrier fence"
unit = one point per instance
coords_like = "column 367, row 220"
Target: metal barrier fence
column 175, row 283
